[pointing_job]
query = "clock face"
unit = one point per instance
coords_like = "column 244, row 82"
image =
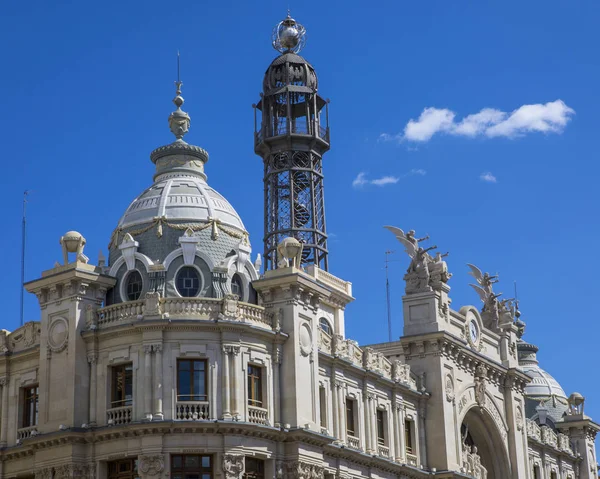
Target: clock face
column 474, row 331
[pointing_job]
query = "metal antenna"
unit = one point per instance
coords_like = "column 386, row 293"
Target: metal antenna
column 387, row 294
column 178, row 66
column 23, row 232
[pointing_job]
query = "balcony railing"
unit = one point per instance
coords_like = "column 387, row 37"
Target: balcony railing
column 26, row 432
column 353, row 442
column 119, row 415
column 411, row 459
column 258, row 415
column 383, row 451
column 192, row 411
column 299, row 128
column 208, row 309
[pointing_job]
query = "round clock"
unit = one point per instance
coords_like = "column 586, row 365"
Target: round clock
column 474, row 331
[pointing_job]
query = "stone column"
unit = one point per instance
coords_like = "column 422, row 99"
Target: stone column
column 93, row 360
column 237, row 403
column 341, row 412
column 225, row 385
column 158, row 380
column 276, row 385
column 367, row 412
column 335, row 420
column 396, row 455
column 4, row 426
column 147, row 392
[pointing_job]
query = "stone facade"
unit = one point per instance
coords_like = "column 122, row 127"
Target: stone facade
column 137, row 370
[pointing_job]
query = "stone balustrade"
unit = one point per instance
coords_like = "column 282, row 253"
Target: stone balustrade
column 192, row 411
column 328, row 279
column 258, row 415
column 353, row 442
column 411, row 459
column 26, row 432
column 383, row 451
column 119, row 415
column 564, row 444
column 208, row 309
column 119, row 312
column 549, row 437
column 533, row 430
column 367, row 358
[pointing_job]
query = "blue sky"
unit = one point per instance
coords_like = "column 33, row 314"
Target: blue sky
column 88, row 88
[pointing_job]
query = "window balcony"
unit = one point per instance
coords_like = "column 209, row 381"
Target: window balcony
column 258, row 415
column 26, row 432
column 383, row 451
column 192, row 411
column 353, row 442
column 119, row 415
column 411, row 459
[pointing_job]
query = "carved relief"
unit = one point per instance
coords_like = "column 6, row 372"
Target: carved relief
column 519, row 418
column 480, row 384
column 25, row 337
column 45, row 473
column 449, row 386
column 303, row 470
column 151, row 465
column 230, row 306
column 233, row 466
column 400, row 372
column 152, row 304
column 305, row 339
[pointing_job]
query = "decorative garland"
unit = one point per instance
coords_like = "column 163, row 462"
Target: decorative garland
column 195, row 227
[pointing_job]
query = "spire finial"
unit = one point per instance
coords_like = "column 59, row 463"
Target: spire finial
column 289, row 35
column 179, row 120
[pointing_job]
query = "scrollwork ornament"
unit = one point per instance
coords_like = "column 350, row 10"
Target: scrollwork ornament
column 233, row 466
column 151, row 465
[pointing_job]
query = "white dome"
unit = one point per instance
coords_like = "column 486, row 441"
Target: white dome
column 181, row 198
column 542, row 384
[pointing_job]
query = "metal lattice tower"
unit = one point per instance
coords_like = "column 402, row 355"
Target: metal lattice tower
column 291, row 135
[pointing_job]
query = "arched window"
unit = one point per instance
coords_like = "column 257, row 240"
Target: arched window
column 326, row 326
column 237, row 287
column 187, row 282
column 133, row 285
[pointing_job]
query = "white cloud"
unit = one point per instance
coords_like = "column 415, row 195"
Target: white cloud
column 362, row 180
column 385, row 180
column 551, row 117
column 488, row 177
column 429, row 123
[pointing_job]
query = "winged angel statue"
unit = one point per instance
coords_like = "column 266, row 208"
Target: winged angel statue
column 424, row 272
column 496, row 313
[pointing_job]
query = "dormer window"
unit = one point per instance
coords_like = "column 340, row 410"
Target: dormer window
column 188, row 282
column 133, row 285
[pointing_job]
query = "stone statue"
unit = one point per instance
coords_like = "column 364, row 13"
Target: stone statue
column 425, row 273
column 491, row 311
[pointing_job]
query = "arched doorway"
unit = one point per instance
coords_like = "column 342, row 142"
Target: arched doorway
column 483, row 451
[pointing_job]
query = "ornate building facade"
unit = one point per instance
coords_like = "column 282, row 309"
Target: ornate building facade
column 179, row 358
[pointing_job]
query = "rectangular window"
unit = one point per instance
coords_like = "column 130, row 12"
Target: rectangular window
column 192, row 380
column 191, row 466
column 255, row 386
column 350, row 417
column 381, row 427
column 30, row 406
column 122, row 469
column 255, row 468
column 323, row 406
column 408, row 437
column 536, row 472
column 121, row 386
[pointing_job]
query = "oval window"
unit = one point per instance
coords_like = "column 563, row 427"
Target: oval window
column 188, row 282
column 237, row 287
column 134, row 285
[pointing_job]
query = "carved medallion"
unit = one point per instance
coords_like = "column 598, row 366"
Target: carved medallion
column 58, row 335
column 151, row 465
column 233, row 466
column 305, row 338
